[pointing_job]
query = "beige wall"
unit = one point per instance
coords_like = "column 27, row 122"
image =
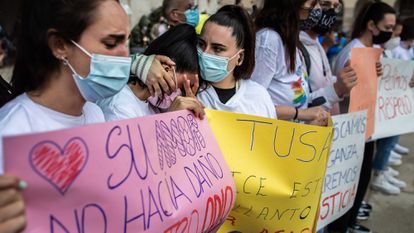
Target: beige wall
column 349, row 11
column 140, row 8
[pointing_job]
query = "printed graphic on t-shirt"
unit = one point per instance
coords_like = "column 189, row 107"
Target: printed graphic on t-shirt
column 300, row 97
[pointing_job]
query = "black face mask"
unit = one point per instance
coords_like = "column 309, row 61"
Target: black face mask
column 382, row 37
column 326, row 23
column 312, row 20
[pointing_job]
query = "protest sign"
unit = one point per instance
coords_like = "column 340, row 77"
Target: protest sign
column 395, row 102
column 364, row 94
column 344, row 167
column 278, row 167
column 163, row 173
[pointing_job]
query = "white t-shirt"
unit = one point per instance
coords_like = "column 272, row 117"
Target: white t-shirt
column 403, row 53
column 271, row 71
column 23, row 116
column 345, row 55
column 124, row 105
column 321, row 80
column 250, row 98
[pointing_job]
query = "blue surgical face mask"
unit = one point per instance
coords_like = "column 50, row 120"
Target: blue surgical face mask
column 107, row 76
column 192, row 16
column 214, row 68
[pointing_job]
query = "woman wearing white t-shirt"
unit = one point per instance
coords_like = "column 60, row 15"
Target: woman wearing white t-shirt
column 226, row 60
column 64, row 53
column 405, row 50
column 280, row 67
column 372, row 27
column 135, row 100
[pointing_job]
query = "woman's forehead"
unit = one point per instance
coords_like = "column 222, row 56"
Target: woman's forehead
column 215, row 33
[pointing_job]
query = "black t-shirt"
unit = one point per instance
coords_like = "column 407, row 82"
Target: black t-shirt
column 225, row 94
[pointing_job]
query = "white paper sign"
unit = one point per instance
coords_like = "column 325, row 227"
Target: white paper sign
column 395, row 102
column 344, row 167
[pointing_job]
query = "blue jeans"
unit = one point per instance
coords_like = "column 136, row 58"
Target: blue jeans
column 382, row 155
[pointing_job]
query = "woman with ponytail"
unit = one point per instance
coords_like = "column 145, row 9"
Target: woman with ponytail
column 373, row 25
column 226, row 59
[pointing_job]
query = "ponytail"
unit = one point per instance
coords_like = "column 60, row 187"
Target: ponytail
column 374, row 11
column 236, row 18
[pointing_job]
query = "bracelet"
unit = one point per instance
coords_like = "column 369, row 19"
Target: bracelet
column 296, row 114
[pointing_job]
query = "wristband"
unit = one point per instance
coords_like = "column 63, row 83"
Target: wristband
column 296, row 114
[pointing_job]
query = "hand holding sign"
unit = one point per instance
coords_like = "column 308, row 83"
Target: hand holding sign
column 347, row 79
column 12, row 207
column 315, row 116
column 380, row 71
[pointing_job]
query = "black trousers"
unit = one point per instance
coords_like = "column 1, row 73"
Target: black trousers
column 341, row 224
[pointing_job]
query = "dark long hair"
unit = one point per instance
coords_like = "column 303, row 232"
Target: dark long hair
column 374, row 11
column 35, row 60
column 283, row 17
column 180, row 45
column 236, row 18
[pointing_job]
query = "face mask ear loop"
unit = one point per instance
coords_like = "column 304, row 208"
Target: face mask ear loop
column 241, row 50
column 81, row 48
column 66, row 63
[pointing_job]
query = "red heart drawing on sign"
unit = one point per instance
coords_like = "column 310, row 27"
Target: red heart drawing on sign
column 59, row 166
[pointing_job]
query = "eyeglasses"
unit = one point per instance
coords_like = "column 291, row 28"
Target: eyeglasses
column 327, row 5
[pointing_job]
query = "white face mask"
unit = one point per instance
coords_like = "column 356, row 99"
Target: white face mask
column 392, row 43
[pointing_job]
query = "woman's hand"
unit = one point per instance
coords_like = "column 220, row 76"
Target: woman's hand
column 379, row 69
column 12, row 207
column 314, row 116
column 346, row 80
column 159, row 80
column 189, row 101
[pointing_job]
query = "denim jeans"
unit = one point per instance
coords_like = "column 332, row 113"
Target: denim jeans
column 321, row 230
column 382, row 155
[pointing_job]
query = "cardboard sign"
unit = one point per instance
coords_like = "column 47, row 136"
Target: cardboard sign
column 364, row 94
column 163, row 173
column 278, row 167
column 344, row 167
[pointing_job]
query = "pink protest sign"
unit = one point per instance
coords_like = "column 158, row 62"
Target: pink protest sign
column 163, row 173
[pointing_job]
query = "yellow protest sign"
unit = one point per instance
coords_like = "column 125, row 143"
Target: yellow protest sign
column 278, row 167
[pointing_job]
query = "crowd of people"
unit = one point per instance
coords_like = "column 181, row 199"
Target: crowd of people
column 72, row 68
